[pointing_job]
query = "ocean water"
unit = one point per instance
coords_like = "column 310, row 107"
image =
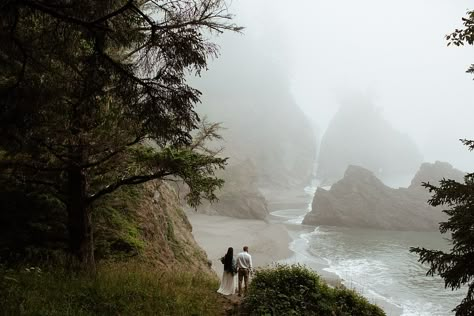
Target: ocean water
column 379, row 265
column 376, row 263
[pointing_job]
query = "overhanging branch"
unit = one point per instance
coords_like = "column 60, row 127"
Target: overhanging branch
column 128, row 181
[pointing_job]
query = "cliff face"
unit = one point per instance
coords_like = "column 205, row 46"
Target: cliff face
column 166, row 231
column 362, row 200
column 359, row 135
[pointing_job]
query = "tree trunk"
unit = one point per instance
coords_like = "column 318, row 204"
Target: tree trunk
column 81, row 239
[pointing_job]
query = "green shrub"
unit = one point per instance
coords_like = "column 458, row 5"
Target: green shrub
column 350, row 303
column 118, row 289
column 287, row 290
column 297, row 290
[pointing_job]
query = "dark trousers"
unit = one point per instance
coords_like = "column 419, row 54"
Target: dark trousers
column 243, row 274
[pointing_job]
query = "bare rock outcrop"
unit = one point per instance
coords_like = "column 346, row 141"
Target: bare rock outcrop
column 360, row 199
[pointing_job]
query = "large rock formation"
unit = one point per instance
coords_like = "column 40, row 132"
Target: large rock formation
column 359, row 135
column 361, row 200
column 432, row 173
column 269, row 141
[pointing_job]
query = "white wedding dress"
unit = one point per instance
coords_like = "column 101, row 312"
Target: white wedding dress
column 227, row 284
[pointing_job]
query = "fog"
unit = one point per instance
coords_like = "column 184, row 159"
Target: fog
column 264, row 129
column 394, row 53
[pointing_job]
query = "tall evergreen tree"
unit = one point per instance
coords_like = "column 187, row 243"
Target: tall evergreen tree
column 457, row 266
column 93, row 96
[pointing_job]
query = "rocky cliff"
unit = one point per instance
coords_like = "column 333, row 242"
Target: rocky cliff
column 359, row 135
column 360, row 199
column 165, row 230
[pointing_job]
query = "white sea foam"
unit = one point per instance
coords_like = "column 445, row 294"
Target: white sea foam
column 369, row 262
column 415, row 308
column 296, row 221
column 287, row 213
column 353, row 273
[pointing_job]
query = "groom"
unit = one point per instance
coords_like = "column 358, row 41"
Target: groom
column 244, row 267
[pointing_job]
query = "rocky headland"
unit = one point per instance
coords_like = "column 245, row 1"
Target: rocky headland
column 360, row 199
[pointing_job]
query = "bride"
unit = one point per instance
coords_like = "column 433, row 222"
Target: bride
column 227, row 283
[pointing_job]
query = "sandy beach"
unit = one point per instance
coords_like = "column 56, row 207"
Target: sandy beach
column 267, row 242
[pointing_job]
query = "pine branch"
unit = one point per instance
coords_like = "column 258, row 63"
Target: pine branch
column 133, row 180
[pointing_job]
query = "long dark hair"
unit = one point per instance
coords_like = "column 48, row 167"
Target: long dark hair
column 228, row 259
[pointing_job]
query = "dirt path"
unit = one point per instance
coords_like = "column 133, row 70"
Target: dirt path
column 230, row 304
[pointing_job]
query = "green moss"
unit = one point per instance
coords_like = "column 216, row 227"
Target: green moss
column 173, row 241
column 170, row 230
column 126, row 227
column 116, row 230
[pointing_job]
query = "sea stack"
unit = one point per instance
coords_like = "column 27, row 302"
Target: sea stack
column 360, row 199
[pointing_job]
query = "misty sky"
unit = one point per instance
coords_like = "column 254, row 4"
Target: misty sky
column 393, row 52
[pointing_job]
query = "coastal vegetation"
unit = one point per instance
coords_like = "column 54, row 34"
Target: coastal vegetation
column 94, row 97
column 297, row 290
column 148, row 262
column 134, row 288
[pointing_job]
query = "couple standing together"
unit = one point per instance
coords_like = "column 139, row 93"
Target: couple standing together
column 242, row 265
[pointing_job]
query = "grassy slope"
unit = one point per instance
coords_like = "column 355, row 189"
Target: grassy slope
column 118, row 289
column 149, row 261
